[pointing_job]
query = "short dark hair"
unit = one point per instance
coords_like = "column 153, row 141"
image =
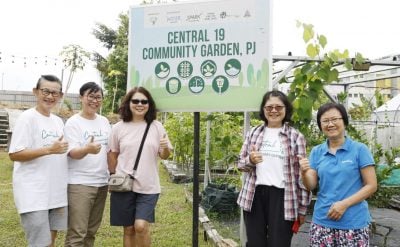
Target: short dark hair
column 125, row 110
column 92, row 87
column 51, row 78
column 285, row 101
column 331, row 105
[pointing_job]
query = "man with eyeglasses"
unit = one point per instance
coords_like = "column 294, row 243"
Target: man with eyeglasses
column 38, row 150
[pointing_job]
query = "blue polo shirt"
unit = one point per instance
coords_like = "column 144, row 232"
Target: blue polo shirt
column 340, row 177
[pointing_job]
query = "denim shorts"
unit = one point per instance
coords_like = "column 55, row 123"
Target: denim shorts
column 126, row 207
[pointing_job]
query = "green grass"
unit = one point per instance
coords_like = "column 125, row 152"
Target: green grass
column 173, row 225
column 227, row 225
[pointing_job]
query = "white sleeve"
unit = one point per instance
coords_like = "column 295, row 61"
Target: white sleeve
column 73, row 134
column 22, row 133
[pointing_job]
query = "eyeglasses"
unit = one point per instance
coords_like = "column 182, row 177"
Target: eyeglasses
column 92, row 97
column 269, row 108
column 137, row 101
column 332, row 120
column 47, row 92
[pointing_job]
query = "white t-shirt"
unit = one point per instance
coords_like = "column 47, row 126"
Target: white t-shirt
column 41, row 183
column 270, row 171
column 91, row 170
column 125, row 139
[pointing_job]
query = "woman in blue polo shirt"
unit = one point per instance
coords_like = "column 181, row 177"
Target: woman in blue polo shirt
column 344, row 172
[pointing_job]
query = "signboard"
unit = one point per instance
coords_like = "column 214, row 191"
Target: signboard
column 202, row 56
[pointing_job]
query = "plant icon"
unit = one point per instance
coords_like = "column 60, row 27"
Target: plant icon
column 162, row 70
column 208, row 68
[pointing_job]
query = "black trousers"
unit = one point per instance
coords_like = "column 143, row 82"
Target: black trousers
column 265, row 224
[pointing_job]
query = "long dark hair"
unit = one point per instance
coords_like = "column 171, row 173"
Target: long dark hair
column 125, row 110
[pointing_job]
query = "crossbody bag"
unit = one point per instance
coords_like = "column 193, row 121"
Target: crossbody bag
column 124, row 182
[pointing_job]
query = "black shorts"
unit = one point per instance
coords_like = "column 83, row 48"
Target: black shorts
column 126, row 207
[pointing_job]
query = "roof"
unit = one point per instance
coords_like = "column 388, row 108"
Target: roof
column 391, row 105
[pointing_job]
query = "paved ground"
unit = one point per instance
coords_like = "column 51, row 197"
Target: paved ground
column 386, row 233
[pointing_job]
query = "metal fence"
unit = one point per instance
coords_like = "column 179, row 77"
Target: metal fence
column 27, row 99
column 385, row 133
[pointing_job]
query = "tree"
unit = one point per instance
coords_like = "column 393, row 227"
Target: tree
column 113, row 68
column 74, row 58
column 307, row 88
column 363, row 111
column 115, row 73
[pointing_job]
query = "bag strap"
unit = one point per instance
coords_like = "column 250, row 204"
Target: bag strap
column 140, row 148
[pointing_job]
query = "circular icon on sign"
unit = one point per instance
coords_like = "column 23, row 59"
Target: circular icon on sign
column 220, row 84
column 196, row 84
column 173, row 85
column 162, row 70
column 208, row 68
column 232, row 67
column 185, row 69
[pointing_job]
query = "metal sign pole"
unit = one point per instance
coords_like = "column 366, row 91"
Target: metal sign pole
column 196, row 162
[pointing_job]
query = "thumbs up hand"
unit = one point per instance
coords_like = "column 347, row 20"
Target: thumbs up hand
column 255, row 156
column 164, row 142
column 60, row 146
column 304, row 164
column 93, row 147
column 164, row 150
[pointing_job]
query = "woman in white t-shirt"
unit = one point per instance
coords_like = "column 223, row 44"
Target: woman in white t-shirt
column 135, row 210
column 87, row 133
column 273, row 198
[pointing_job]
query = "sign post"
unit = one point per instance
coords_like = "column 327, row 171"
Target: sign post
column 197, row 57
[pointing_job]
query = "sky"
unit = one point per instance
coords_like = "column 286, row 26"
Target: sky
column 34, row 32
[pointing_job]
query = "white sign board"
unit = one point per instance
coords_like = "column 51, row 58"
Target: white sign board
column 202, row 56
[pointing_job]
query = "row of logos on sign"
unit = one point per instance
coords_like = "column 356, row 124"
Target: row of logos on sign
column 196, row 84
column 208, row 69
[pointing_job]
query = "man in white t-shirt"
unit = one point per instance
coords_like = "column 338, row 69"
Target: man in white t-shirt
column 38, row 150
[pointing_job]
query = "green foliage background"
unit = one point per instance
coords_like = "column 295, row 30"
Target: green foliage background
column 113, row 68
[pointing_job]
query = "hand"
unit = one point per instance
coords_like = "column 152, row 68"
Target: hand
column 92, row 147
column 302, row 219
column 60, row 146
column 337, row 210
column 304, row 164
column 255, row 156
column 164, row 142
